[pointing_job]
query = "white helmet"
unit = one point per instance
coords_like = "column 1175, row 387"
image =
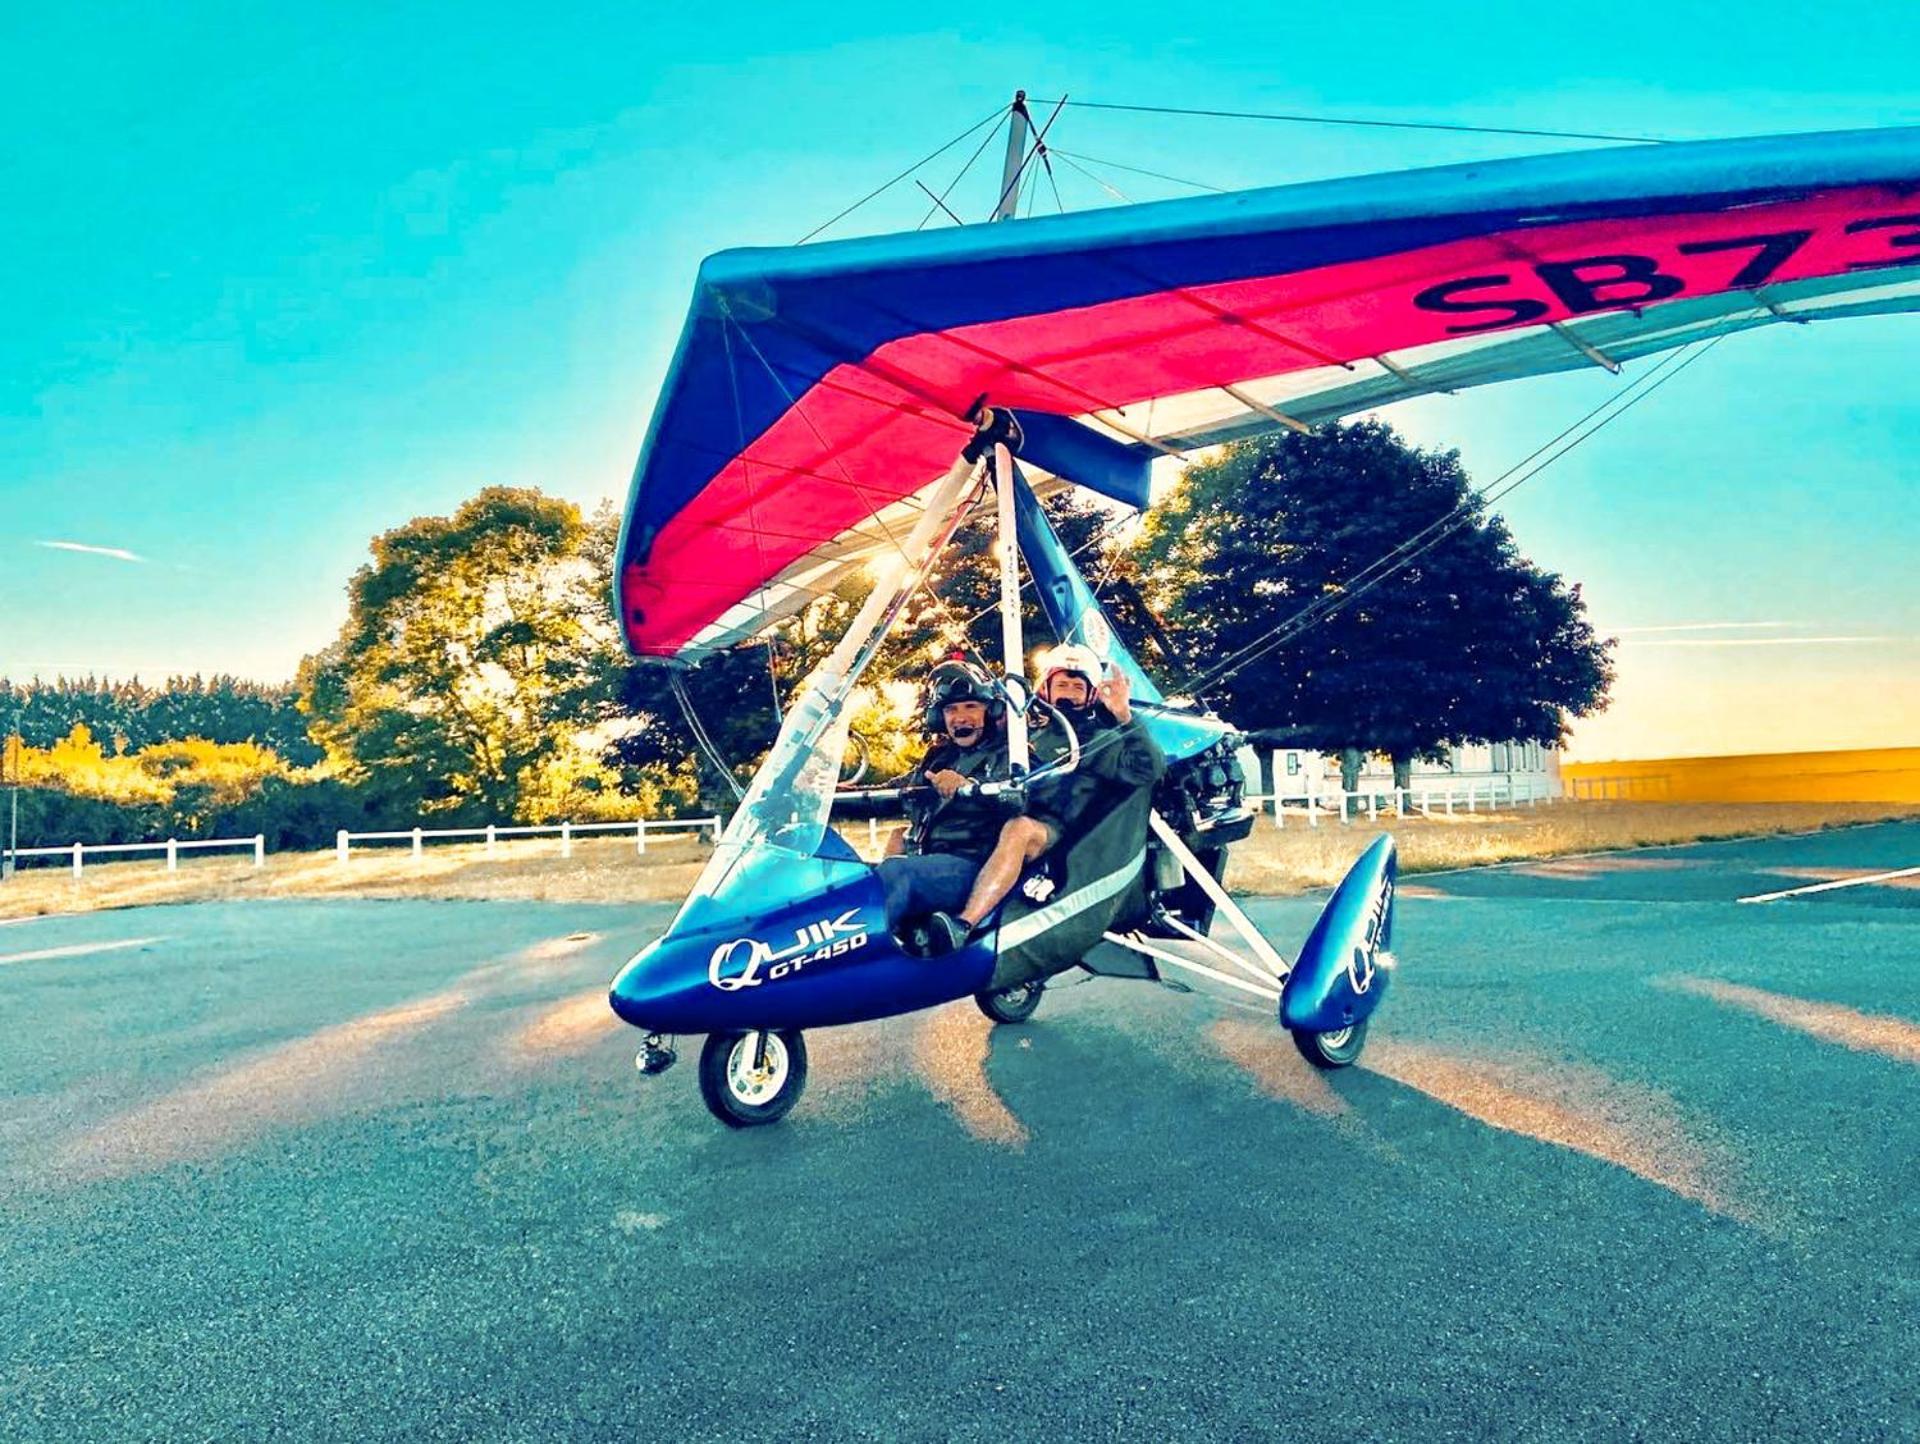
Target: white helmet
column 1068, row 657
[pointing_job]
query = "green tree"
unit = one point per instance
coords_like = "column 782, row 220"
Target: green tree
column 1468, row 642
column 472, row 645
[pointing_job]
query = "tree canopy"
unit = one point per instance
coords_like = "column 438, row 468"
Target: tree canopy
column 471, row 644
column 1468, row 642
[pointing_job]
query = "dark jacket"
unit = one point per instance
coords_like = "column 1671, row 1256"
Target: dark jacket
column 963, row 826
column 1116, row 760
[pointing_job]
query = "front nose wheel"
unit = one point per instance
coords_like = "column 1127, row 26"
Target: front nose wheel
column 747, row 1079
column 1337, row 1048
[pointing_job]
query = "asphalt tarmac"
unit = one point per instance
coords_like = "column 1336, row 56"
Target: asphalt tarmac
column 1625, row 1159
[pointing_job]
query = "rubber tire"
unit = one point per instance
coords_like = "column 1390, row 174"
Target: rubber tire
column 719, row 1098
column 1011, row 1005
column 1321, row 1056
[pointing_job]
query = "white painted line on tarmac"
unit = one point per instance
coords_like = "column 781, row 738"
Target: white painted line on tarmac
column 1698, row 842
column 77, row 950
column 1830, row 886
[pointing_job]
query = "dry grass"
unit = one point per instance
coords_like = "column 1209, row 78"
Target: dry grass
column 602, row 869
column 1298, row 858
column 1274, row 861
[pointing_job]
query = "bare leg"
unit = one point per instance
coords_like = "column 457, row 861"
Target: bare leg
column 1021, row 841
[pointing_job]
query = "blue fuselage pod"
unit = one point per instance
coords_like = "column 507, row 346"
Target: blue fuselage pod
column 788, row 942
column 1343, row 967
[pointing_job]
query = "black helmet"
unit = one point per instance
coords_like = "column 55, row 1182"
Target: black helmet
column 960, row 682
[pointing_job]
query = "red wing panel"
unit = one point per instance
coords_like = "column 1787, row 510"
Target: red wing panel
column 867, row 435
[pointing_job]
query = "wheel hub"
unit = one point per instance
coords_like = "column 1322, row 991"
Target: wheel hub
column 756, row 1082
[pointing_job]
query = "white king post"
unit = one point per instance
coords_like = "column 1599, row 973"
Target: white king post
column 1019, row 129
column 1013, row 651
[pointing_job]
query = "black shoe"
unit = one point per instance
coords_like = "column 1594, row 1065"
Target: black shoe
column 946, row 934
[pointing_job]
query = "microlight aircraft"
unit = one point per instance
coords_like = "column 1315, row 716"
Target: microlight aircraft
column 809, row 428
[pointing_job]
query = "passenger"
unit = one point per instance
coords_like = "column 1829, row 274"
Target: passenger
column 1117, row 754
column 930, row 868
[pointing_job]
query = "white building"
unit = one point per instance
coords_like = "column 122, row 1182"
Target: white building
column 1497, row 772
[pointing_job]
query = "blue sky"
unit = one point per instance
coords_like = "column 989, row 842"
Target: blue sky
column 280, row 280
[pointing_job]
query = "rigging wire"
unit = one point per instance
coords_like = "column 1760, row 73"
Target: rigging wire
column 700, row 737
column 986, row 119
column 940, row 201
column 1113, row 191
column 1305, row 119
column 1295, row 118
column 773, row 681
column 1138, row 170
column 1405, row 551
column 1436, row 532
column 1039, row 145
column 1046, row 159
column 928, row 193
column 1410, row 550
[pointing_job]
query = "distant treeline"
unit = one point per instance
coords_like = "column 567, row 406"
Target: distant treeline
column 291, row 813
column 130, row 716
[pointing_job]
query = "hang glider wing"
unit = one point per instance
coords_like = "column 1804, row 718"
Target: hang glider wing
column 817, row 391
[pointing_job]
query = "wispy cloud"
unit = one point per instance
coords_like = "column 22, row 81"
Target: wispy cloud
column 1796, row 635
column 118, row 554
column 1759, row 641
column 1706, row 627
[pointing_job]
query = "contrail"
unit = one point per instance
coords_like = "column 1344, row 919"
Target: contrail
column 119, row 554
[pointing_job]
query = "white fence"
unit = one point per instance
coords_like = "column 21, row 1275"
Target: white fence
column 641, row 828
column 79, row 852
column 1446, row 800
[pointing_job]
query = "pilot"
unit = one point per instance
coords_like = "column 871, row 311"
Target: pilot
column 930, row 868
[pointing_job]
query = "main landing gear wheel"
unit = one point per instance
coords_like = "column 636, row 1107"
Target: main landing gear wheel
column 1338, row 1048
column 747, row 1079
column 1011, row 1005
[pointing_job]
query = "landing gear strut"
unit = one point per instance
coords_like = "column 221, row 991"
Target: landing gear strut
column 656, row 1055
